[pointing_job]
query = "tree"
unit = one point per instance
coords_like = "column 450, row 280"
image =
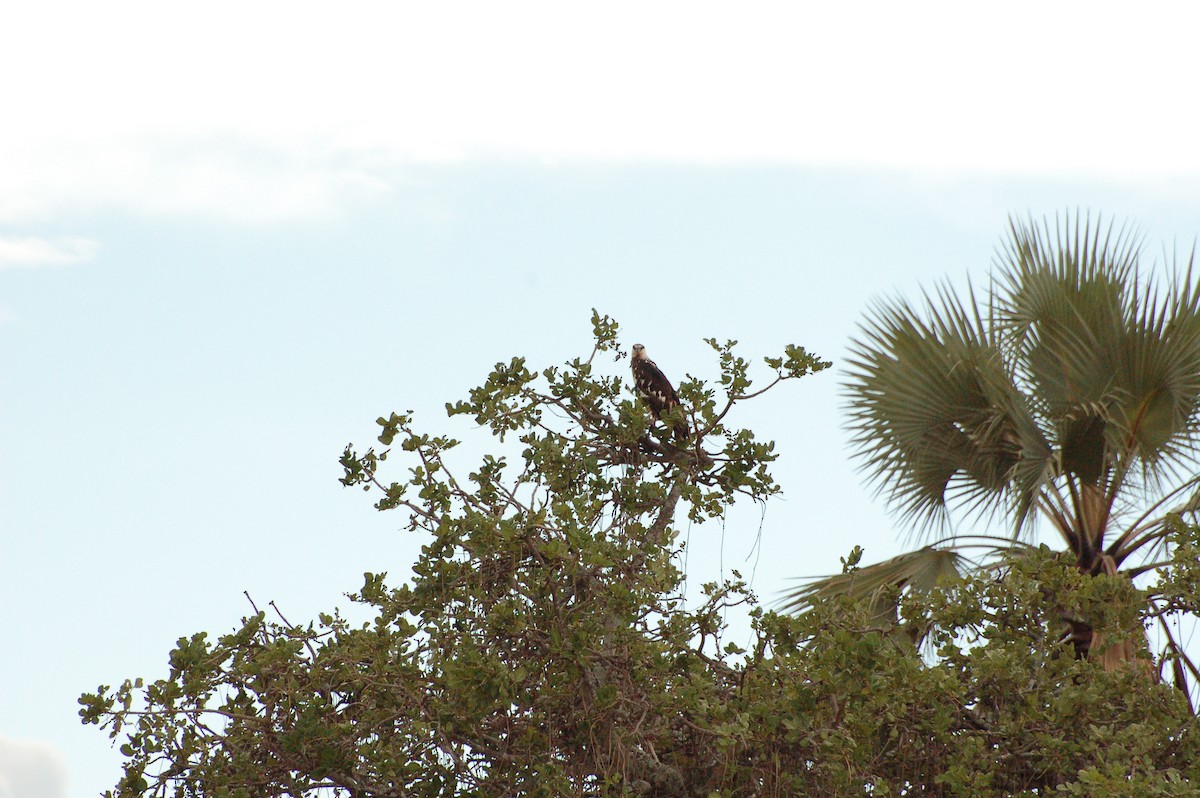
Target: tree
column 541, row 648
column 1069, row 394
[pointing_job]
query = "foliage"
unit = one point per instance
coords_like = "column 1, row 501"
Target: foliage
column 1068, row 393
column 540, row 647
column 1076, row 375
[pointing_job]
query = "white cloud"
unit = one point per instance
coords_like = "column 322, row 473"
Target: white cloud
column 31, row 769
column 30, row 251
column 276, row 110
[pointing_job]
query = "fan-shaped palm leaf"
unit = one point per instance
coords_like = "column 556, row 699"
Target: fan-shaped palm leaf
column 1075, row 380
column 1069, row 392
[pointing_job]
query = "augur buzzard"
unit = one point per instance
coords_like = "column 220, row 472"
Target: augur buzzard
column 654, row 388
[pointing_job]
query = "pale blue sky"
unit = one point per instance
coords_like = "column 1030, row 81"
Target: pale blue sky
column 206, row 291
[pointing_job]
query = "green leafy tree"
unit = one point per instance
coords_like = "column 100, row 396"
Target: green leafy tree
column 1068, row 394
column 540, row 646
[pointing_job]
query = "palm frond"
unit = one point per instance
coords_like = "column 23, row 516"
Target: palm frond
column 1070, row 392
column 935, row 415
column 919, row 570
column 1114, row 361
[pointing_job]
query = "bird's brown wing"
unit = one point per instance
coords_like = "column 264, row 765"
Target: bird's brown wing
column 656, row 390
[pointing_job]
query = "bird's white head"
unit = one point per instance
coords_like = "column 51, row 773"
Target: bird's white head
column 639, row 352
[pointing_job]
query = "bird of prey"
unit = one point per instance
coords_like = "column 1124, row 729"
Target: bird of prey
column 654, row 388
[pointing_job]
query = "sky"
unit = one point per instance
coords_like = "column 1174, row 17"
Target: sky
column 232, row 235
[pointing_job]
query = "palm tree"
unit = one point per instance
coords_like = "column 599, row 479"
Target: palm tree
column 1069, row 393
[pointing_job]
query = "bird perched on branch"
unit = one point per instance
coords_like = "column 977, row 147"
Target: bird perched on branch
column 655, row 389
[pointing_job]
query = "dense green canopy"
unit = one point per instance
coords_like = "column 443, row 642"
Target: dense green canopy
column 540, row 646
